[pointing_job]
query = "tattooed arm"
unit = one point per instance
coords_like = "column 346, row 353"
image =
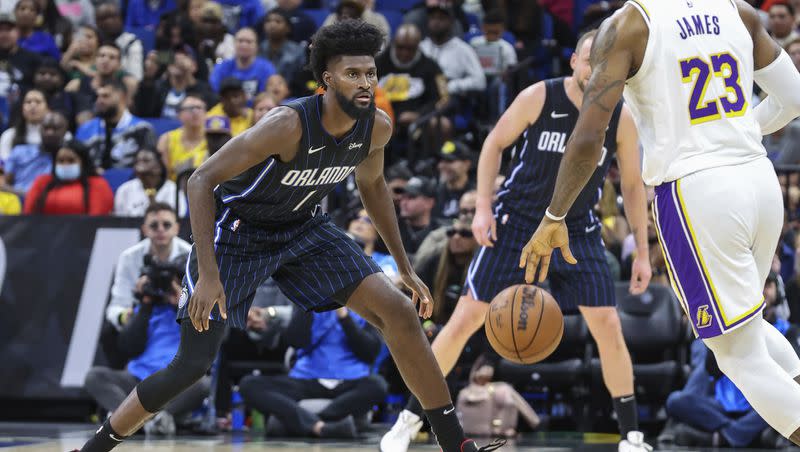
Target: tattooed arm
column 617, row 52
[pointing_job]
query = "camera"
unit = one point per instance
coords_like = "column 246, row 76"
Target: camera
column 160, row 276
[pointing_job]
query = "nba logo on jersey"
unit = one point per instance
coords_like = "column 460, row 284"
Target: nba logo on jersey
column 235, row 225
column 703, row 317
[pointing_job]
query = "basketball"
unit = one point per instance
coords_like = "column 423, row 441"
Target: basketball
column 524, row 324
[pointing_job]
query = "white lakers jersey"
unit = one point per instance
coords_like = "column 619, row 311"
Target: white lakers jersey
column 691, row 97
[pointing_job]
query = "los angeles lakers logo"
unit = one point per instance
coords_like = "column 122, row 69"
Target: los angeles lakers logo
column 703, row 317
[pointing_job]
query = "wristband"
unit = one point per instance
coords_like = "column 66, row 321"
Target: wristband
column 553, row 217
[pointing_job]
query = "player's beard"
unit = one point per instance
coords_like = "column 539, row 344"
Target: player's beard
column 352, row 109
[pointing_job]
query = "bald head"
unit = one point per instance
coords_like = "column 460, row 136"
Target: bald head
column 406, row 42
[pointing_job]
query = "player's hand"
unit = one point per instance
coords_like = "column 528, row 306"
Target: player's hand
column 640, row 275
column 419, row 293
column 207, row 293
column 548, row 236
column 484, row 227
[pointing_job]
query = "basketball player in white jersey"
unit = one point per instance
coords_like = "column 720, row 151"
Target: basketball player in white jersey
column 686, row 68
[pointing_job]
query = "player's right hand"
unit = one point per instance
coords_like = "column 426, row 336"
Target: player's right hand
column 207, row 293
column 484, row 227
column 548, row 236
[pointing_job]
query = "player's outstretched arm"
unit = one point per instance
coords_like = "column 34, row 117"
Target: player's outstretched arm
column 277, row 134
column 378, row 203
column 774, row 73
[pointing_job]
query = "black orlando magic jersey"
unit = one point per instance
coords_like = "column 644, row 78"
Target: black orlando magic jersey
column 274, row 192
column 531, row 177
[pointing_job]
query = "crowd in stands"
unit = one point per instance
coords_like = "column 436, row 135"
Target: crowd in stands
column 107, row 106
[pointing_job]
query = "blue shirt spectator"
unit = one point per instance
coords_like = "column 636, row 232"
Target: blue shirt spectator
column 142, row 14
column 254, row 77
column 241, row 13
column 26, row 163
column 41, row 43
column 163, row 337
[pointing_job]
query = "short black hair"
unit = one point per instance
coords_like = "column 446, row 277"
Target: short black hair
column 158, row 206
column 494, row 17
column 116, row 85
column 787, row 5
column 345, row 38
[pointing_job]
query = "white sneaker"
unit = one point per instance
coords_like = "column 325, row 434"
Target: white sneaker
column 402, row 432
column 162, row 424
column 634, row 443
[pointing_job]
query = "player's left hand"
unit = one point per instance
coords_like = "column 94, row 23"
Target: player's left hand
column 640, row 275
column 419, row 293
column 548, row 236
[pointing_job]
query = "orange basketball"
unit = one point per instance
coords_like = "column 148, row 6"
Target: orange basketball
column 524, row 324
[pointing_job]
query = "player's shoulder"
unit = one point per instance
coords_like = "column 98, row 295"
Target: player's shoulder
column 382, row 130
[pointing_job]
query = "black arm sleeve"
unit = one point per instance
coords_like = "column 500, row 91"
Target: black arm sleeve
column 365, row 342
column 298, row 332
column 132, row 339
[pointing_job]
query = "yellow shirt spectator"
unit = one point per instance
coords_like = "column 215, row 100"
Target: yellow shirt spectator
column 179, row 156
column 9, row 204
column 238, row 124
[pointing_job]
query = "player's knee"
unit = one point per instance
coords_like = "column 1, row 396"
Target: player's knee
column 607, row 327
column 250, row 385
column 469, row 316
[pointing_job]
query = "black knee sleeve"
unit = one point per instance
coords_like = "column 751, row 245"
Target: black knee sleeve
column 195, row 355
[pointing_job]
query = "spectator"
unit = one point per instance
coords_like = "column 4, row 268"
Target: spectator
column 26, row 13
column 278, row 89
column 161, row 241
column 413, row 82
column 17, row 67
column 214, row 43
column 9, row 201
column 358, row 9
column 793, row 49
column 250, row 69
column 239, row 14
column 160, row 98
column 149, row 185
column 78, row 12
column 416, row 212
column 497, row 56
column 419, row 16
column 218, row 132
column 73, row 188
column 108, row 69
column 262, row 104
column 185, row 147
column 363, row 232
column 456, row 58
column 303, row 26
column 335, row 350
column 781, row 23
column 51, row 21
column 147, row 13
column 286, row 56
column 29, row 161
column 397, row 177
column 109, row 21
column 455, row 162
column 432, row 245
column 149, row 333
column 128, row 132
column 80, row 56
column 233, row 106
column 27, row 129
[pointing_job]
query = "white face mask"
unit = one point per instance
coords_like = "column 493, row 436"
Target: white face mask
column 68, row 172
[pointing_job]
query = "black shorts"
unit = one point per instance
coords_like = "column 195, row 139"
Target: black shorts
column 310, row 261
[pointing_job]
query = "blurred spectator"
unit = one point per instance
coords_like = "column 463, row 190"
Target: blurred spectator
column 419, row 16
column 115, row 134
column 247, row 66
column 358, row 9
column 160, row 229
column 241, row 13
column 793, row 49
column 416, row 212
column 432, row 245
column 364, row 233
column 397, row 177
column 262, row 104
column 73, row 188
column 456, row 58
column 9, row 202
column 51, row 21
column 151, row 336
column 214, row 43
column 29, row 161
column 185, row 147
column 445, row 272
column 109, row 22
column 303, row 26
column 218, row 132
column 455, row 162
column 147, row 13
column 27, row 127
column 495, row 53
column 160, row 98
column 781, row 23
column 286, row 56
column 413, row 82
column 149, row 185
column 108, row 69
column 17, row 66
column 278, row 89
column 335, row 350
column 79, row 58
column 78, row 12
column 233, row 106
column 27, row 12
column 49, row 79
column 614, row 225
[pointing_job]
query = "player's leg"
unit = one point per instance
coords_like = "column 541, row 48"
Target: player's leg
column 604, row 325
column 468, row 317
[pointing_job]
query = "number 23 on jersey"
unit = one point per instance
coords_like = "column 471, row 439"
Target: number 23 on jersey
column 699, row 71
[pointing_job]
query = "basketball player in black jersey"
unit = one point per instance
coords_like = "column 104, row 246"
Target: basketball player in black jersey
column 544, row 115
column 254, row 215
